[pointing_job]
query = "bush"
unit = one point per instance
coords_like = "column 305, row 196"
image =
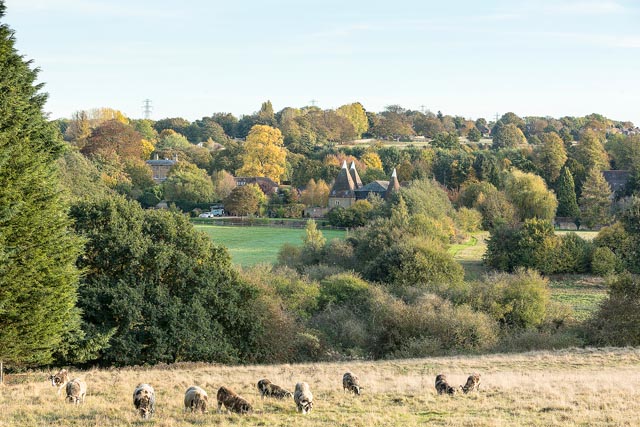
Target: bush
column 518, row 300
column 604, row 262
column 574, row 254
column 344, row 289
column 617, row 319
column 469, row 220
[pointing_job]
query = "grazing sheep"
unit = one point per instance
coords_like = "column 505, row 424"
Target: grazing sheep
column 60, row 379
column 232, row 401
column 350, row 382
column 303, row 398
column 442, row 387
column 196, row 399
column 144, row 399
column 269, row 389
column 473, row 382
column 76, row 390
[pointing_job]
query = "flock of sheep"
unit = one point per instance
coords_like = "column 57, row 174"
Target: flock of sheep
column 196, row 399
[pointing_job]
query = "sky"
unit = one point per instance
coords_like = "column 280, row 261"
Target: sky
column 193, row 58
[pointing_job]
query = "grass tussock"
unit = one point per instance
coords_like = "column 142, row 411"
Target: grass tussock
column 595, row 387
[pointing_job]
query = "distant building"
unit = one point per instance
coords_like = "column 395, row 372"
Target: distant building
column 160, row 168
column 267, row 185
column 348, row 188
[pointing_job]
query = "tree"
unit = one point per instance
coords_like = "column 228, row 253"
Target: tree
column 474, row 135
column 38, row 277
column 315, row 194
column 371, row 159
column 595, row 202
column 356, row 114
column 566, row 193
column 313, row 238
column 507, row 136
column 189, row 184
column 550, row 156
column 590, row 152
column 264, row 154
column 165, row 290
column 530, row 196
column 223, row 183
column 265, row 116
column 244, row 200
column 113, row 138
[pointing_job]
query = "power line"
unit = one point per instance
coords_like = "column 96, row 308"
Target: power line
column 146, row 108
column 313, row 102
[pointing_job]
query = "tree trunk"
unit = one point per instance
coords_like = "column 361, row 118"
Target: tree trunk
column 1, row 373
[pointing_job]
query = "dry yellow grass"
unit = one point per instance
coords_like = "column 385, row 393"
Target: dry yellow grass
column 593, row 387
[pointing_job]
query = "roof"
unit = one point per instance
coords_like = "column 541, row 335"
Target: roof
column 394, row 185
column 375, row 187
column 161, row 162
column 343, row 185
column 354, row 175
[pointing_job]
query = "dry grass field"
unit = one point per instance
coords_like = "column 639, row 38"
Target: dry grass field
column 592, row 387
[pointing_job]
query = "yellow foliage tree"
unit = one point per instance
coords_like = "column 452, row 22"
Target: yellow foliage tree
column 316, row 193
column 371, row 159
column 264, row 153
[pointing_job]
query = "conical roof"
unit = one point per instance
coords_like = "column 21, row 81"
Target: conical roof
column 343, row 185
column 394, row 185
column 354, row 175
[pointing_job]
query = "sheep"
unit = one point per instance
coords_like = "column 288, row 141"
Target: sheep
column 59, row 380
column 442, row 387
column 269, row 389
column 144, row 399
column 76, row 391
column 350, row 382
column 473, row 382
column 196, row 399
column 232, row 401
column 303, row 398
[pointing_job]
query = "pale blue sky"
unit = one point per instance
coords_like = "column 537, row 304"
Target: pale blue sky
column 471, row 58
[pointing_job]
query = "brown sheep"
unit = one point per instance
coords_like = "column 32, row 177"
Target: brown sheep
column 232, row 401
column 473, row 382
column 60, row 379
column 442, row 387
column 303, row 398
column 269, row 389
column 196, row 399
column 144, row 399
column 76, row 391
column 350, row 382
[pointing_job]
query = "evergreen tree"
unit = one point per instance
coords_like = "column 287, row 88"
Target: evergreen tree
column 566, row 192
column 595, row 203
column 38, row 277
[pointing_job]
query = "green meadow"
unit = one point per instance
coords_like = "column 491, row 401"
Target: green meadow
column 254, row 245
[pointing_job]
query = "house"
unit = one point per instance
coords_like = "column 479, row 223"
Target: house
column 267, row 185
column 348, row 188
column 160, row 168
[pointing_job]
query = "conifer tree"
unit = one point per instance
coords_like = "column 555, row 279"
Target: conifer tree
column 38, row 277
column 594, row 202
column 566, row 192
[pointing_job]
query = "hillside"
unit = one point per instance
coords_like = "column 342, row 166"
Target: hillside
column 595, row 387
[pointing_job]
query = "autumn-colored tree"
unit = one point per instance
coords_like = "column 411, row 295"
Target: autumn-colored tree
column 170, row 139
column 595, row 204
column 550, row 156
column 590, row 151
column 115, row 138
column 315, row 194
column 508, row 135
column 357, row 116
column 371, row 160
column 264, row 154
column 530, row 196
column 223, row 184
column 244, row 200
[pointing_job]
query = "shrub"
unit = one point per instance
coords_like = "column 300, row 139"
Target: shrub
column 604, row 261
column 574, row 254
column 617, row 319
column 469, row 220
column 516, row 300
column 344, row 289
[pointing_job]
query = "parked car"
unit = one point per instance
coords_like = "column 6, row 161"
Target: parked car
column 214, row 213
column 206, row 215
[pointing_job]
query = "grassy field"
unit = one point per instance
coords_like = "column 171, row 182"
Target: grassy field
column 565, row 388
column 253, row 245
column 470, row 254
column 582, row 293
